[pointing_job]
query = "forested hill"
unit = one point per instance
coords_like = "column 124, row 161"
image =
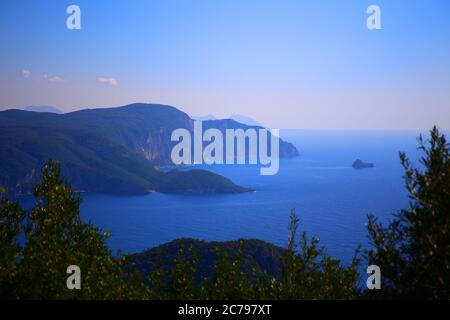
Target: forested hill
column 256, row 254
column 102, row 150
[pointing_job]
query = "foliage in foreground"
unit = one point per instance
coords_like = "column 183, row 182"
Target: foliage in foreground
column 38, row 245
column 413, row 251
column 307, row 272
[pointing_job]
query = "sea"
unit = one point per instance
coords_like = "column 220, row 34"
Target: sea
column 332, row 200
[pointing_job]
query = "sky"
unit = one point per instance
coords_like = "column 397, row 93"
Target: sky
column 288, row 64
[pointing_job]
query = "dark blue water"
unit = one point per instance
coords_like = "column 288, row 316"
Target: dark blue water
column 331, row 199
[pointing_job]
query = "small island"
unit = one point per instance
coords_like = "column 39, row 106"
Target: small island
column 359, row 164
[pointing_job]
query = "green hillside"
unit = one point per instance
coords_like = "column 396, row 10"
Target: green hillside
column 113, row 150
column 256, row 253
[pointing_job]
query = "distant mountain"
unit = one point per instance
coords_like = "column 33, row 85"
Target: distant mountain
column 144, row 129
column 43, row 109
column 287, row 149
column 236, row 117
column 203, row 118
column 104, row 150
column 245, row 120
column 256, row 253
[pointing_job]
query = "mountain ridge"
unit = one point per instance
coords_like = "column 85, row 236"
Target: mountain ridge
column 114, row 150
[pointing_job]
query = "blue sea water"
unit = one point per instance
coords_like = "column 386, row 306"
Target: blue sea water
column 331, row 198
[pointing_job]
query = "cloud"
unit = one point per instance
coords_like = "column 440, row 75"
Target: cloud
column 53, row 78
column 108, row 81
column 25, row 73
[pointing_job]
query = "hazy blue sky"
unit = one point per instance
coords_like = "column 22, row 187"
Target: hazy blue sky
column 289, row 64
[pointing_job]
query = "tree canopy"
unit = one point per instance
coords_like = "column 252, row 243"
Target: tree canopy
column 413, row 251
